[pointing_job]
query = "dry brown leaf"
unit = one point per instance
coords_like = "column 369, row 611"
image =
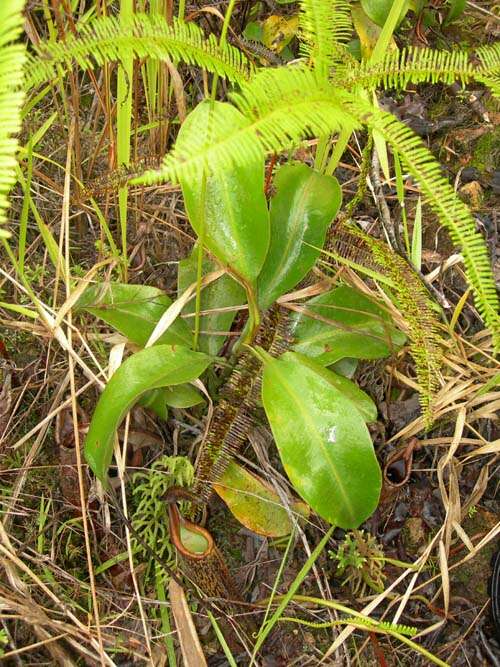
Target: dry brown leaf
column 192, row 654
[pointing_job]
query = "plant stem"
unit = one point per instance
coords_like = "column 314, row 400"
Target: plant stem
column 166, row 626
column 253, row 313
column 387, row 31
column 123, row 129
column 222, row 41
column 199, row 262
column 340, row 146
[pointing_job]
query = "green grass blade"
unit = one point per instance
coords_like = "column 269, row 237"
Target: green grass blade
column 291, row 592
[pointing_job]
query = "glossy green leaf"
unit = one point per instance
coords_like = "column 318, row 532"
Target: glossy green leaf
column 229, row 203
column 254, row 503
column 346, row 367
column 456, row 8
column 363, row 403
column 223, row 293
column 134, row 311
column 367, row 30
column 301, row 211
column 322, row 439
column 182, row 396
column 253, row 31
column 155, row 400
column 154, row 367
column 378, row 10
column 349, row 325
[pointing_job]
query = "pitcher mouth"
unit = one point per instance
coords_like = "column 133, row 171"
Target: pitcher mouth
column 190, row 540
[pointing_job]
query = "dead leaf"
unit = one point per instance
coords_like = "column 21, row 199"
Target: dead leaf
column 188, row 637
column 278, row 31
column 5, row 396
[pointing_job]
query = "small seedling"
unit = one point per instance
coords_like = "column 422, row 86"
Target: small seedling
column 361, row 558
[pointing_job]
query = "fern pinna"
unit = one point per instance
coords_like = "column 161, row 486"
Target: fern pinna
column 347, row 241
column 108, row 39
column 12, row 59
column 421, row 65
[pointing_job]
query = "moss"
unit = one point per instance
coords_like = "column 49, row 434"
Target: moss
column 439, row 108
column 470, row 580
column 486, row 152
column 225, row 531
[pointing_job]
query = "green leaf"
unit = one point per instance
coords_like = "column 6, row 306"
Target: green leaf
column 182, row 396
column 223, row 293
column 416, row 240
column 154, row 367
column 303, row 207
column 155, row 400
column 363, row 403
column 254, row 503
column 396, row 14
column 229, row 203
column 322, row 439
column 253, row 31
column 366, row 29
column 378, row 10
column 134, row 311
column 456, row 8
column 345, row 367
column 350, row 325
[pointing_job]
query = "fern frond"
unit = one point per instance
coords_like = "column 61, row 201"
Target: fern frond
column 282, row 107
column 421, row 65
column 383, row 626
column 491, row 82
column 324, row 26
column 409, row 65
column 489, row 57
column 405, row 630
column 107, row 39
column 410, row 295
column 440, row 196
column 12, row 58
column 489, row 72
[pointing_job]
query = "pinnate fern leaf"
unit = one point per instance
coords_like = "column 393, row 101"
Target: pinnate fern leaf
column 411, row 297
column 107, row 39
column 451, row 211
column 489, row 72
column 12, row 58
column 281, row 107
column 415, row 65
column 490, row 57
column 324, row 27
column 384, row 626
column 421, row 65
